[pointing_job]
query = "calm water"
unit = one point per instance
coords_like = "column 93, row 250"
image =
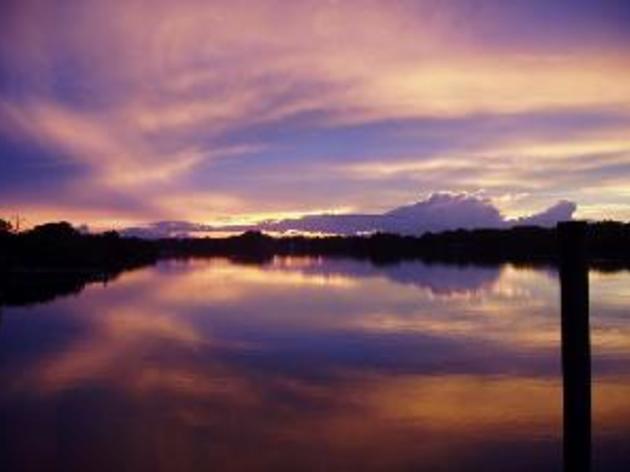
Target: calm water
column 307, row 364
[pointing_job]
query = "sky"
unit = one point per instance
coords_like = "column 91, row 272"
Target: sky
column 123, row 113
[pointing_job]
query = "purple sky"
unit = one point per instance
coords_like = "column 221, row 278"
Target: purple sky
column 227, row 112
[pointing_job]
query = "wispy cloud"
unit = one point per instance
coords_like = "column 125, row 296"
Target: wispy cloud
column 149, row 98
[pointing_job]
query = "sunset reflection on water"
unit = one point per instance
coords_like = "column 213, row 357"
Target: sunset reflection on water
column 307, row 364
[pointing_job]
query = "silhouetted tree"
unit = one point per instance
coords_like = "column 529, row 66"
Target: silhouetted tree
column 5, row 226
column 58, row 230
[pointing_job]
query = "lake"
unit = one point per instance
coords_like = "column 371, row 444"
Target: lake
column 308, row 364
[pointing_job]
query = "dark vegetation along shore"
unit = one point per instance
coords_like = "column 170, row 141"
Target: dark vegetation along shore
column 55, row 259
column 608, row 242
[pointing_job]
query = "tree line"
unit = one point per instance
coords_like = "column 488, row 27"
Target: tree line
column 60, row 245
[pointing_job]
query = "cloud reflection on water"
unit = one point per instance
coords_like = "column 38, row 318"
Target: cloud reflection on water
column 306, row 364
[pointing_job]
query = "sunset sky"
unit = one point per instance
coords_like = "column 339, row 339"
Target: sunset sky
column 116, row 113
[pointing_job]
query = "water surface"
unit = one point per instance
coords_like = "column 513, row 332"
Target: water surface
column 307, row 364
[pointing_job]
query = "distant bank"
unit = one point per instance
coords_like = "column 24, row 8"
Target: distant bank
column 56, row 259
column 60, row 246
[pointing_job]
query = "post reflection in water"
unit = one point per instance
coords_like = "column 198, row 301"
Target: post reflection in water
column 576, row 349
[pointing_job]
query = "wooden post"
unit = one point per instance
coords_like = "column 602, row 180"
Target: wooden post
column 576, row 348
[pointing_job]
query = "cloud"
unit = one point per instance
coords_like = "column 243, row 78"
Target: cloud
column 561, row 211
column 441, row 211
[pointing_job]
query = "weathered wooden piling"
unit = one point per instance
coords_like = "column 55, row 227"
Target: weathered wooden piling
column 576, row 348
